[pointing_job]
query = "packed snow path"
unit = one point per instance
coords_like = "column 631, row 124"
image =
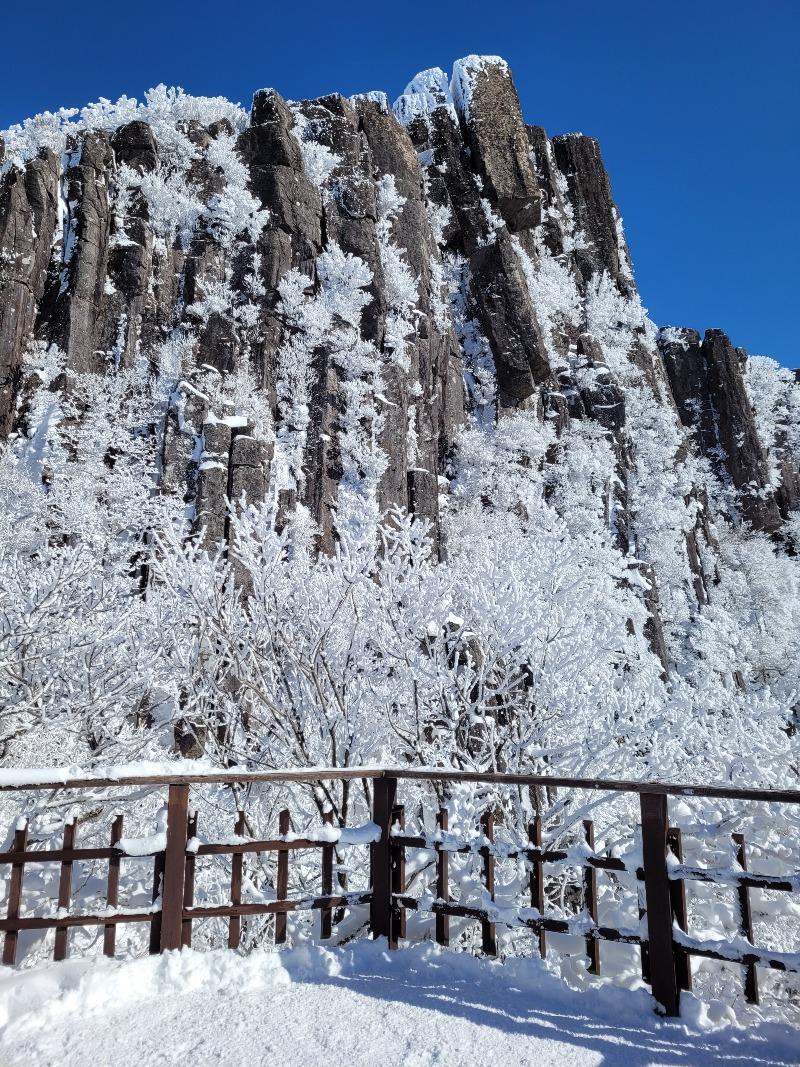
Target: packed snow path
column 350, row 1006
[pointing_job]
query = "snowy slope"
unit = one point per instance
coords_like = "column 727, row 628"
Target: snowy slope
column 356, row 1006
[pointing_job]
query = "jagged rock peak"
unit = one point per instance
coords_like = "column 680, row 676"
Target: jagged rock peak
column 432, row 89
column 406, row 270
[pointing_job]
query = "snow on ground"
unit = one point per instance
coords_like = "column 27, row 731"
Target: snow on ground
column 352, row 1006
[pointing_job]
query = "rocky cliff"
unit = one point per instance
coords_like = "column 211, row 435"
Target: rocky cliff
column 331, row 293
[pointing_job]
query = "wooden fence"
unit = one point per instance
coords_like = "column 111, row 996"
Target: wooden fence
column 663, row 937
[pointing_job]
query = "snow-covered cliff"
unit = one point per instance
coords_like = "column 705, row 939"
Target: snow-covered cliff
column 335, row 429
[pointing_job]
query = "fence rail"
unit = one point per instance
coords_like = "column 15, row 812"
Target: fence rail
column 663, row 935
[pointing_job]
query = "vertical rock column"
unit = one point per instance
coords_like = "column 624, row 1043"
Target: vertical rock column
column 28, row 216
column 708, row 388
column 422, row 385
column 491, row 120
column 130, row 261
column 579, row 160
column 292, row 240
column 233, row 463
column 80, row 322
column 211, row 505
column 349, row 221
column 478, row 158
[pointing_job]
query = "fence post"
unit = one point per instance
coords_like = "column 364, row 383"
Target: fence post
column 326, row 915
column 384, row 791
column 488, row 929
column 158, row 887
column 677, row 889
column 537, row 881
column 61, row 945
column 15, row 894
column 442, row 881
column 174, row 867
column 398, row 860
column 746, row 922
column 188, row 883
column 659, row 903
column 282, row 879
column 590, row 901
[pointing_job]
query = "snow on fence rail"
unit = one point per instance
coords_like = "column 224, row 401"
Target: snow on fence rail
column 662, row 935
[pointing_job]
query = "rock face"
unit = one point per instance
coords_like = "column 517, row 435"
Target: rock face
column 489, row 111
column 430, row 389
column 483, row 184
column 708, row 387
column 589, row 192
column 76, row 306
column 28, row 212
column 332, row 289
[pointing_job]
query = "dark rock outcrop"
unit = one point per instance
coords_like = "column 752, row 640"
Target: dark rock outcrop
column 496, row 136
column 431, row 356
column 78, row 322
column 603, row 399
column 28, row 212
column 579, row 160
column 709, row 391
column 135, row 145
column 487, row 163
column 509, row 321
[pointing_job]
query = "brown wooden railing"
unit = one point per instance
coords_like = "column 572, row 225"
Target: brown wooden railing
column 664, row 939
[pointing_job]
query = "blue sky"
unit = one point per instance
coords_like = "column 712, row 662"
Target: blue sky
column 695, row 105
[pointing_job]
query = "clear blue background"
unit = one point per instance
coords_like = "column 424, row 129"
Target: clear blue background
column 695, row 104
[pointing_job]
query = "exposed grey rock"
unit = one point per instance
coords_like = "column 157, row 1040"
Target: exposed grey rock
column 350, row 220
column 350, row 209
column 509, row 321
column 549, row 181
column 28, row 211
column 79, row 324
column 787, row 495
column 177, row 452
column 248, row 468
column 130, row 266
column 544, row 166
column 654, row 628
column 500, row 293
column 495, row 133
column 293, row 238
column 431, row 351
column 579, row 160
column 707, row 384
column 135, row 144
column 698, row 539
column 603, row 399
column 451, row 182
column 212, row 483
column 287, row 504
column 322, row 462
